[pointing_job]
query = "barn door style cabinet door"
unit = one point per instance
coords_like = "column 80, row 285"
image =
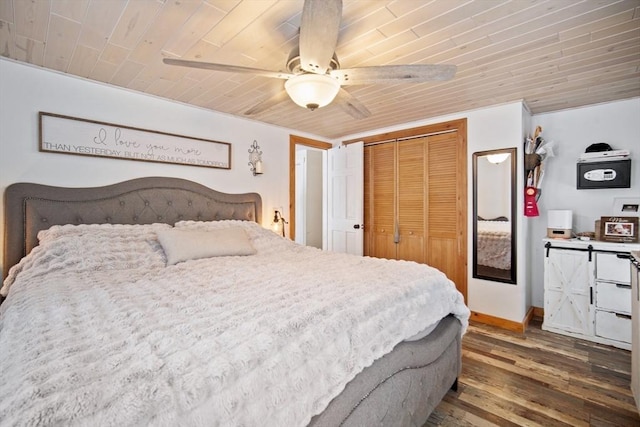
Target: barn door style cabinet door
column 568, row 284
column 587, row 290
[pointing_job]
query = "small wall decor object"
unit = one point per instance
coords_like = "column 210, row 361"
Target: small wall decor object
column 626, row 206
column 536, row 151
column 255, row 159
column 530, row 202
column 619, row 229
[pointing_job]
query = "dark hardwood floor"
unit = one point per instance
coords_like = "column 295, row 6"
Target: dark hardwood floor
column 538, row 379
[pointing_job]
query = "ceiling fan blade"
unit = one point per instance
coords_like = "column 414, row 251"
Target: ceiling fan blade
column 319, row 28
column 410, row 73
column 227, row 68
column 351, row 105
column 267, row 103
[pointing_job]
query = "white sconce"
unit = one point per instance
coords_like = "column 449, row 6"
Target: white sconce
column 255, row 158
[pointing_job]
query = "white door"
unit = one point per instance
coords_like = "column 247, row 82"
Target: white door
column 345, row 191
column 568, row 284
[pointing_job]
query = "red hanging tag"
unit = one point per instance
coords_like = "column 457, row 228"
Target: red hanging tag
column 530, row 205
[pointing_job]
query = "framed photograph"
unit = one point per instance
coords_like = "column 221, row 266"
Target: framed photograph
column 619, row 229
column 627, row 206
column 72, row 135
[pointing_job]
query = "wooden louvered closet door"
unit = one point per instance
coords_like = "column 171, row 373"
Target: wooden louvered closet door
column 416, row 185
column 395, row 200
column 411, row 200
column 379, row 201
column 447, row 203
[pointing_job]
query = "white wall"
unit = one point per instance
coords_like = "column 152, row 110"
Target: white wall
column 25, row 90
column 616, row 123
column 525, row 235
column 488, row 129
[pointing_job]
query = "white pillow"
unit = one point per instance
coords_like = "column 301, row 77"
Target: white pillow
column 87, row 247
column 183, row 244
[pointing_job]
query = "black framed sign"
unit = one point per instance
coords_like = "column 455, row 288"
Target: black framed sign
column 71, row 135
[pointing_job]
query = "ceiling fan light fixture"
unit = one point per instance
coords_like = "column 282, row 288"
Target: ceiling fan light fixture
column 312, row 90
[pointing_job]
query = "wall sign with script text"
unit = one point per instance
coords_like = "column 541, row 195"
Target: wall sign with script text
column 70, row 135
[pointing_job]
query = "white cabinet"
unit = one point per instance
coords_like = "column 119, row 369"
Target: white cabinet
column 613, row 296
column 587, row 290
column 635, row 327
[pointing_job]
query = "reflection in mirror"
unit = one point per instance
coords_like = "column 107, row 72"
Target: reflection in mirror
column 298, row 189
column 309, row 173
column 494, row 210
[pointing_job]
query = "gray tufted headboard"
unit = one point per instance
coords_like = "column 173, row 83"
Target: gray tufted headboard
column 30, row 208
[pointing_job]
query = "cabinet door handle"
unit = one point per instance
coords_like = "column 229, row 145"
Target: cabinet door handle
column 623, row 256
column 623, row 316
column 622, row 285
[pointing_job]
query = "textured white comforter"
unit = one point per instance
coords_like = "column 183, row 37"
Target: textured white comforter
column 494, row 244
column 98, row 331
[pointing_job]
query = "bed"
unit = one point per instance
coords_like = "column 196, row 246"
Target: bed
column 494, row 243
column 114, row 316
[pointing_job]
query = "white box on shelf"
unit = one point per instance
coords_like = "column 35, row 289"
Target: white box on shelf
column 559, row 224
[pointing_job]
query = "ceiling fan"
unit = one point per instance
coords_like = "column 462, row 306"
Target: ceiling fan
column 315, row 78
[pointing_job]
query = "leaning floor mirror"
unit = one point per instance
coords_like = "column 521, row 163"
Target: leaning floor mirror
column 494, row 215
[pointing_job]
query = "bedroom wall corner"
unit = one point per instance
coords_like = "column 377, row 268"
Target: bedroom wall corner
column 615, row 123
column 25, row 90
column 494, row 128
column 527, row 245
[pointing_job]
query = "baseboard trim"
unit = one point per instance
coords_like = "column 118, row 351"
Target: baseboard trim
column 509, row 325
column 538, row 313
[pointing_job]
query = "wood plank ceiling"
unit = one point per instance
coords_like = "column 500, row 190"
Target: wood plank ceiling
column 554, row 54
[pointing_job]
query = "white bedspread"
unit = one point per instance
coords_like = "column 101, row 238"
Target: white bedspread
column 97, row 331
column 494, row 244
